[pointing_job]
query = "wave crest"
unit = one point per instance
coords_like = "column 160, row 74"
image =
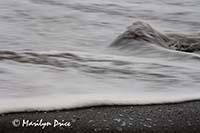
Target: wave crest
column 140, row 32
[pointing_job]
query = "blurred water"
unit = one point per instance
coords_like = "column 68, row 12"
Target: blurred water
column 56, row 54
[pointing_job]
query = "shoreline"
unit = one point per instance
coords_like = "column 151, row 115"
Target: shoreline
column 179, row 117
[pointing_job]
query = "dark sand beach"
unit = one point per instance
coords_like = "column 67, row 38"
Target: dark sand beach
column 171, row 118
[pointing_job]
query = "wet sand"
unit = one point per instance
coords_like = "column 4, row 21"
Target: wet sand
column 181, row 117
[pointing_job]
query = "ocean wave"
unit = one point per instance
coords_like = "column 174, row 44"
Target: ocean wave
column 140, row 33
column 91, row 78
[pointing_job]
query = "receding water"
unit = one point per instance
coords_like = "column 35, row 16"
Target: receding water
column 57, row 54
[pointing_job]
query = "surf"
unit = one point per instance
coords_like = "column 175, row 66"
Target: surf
column 141, row 66
column 140, row 33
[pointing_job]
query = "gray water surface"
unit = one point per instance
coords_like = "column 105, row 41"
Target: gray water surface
column 57, row 54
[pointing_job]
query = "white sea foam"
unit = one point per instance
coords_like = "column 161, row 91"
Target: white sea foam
column 59, row 102
column 98, row 80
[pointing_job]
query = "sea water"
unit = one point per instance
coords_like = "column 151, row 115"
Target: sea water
column 56, row 54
